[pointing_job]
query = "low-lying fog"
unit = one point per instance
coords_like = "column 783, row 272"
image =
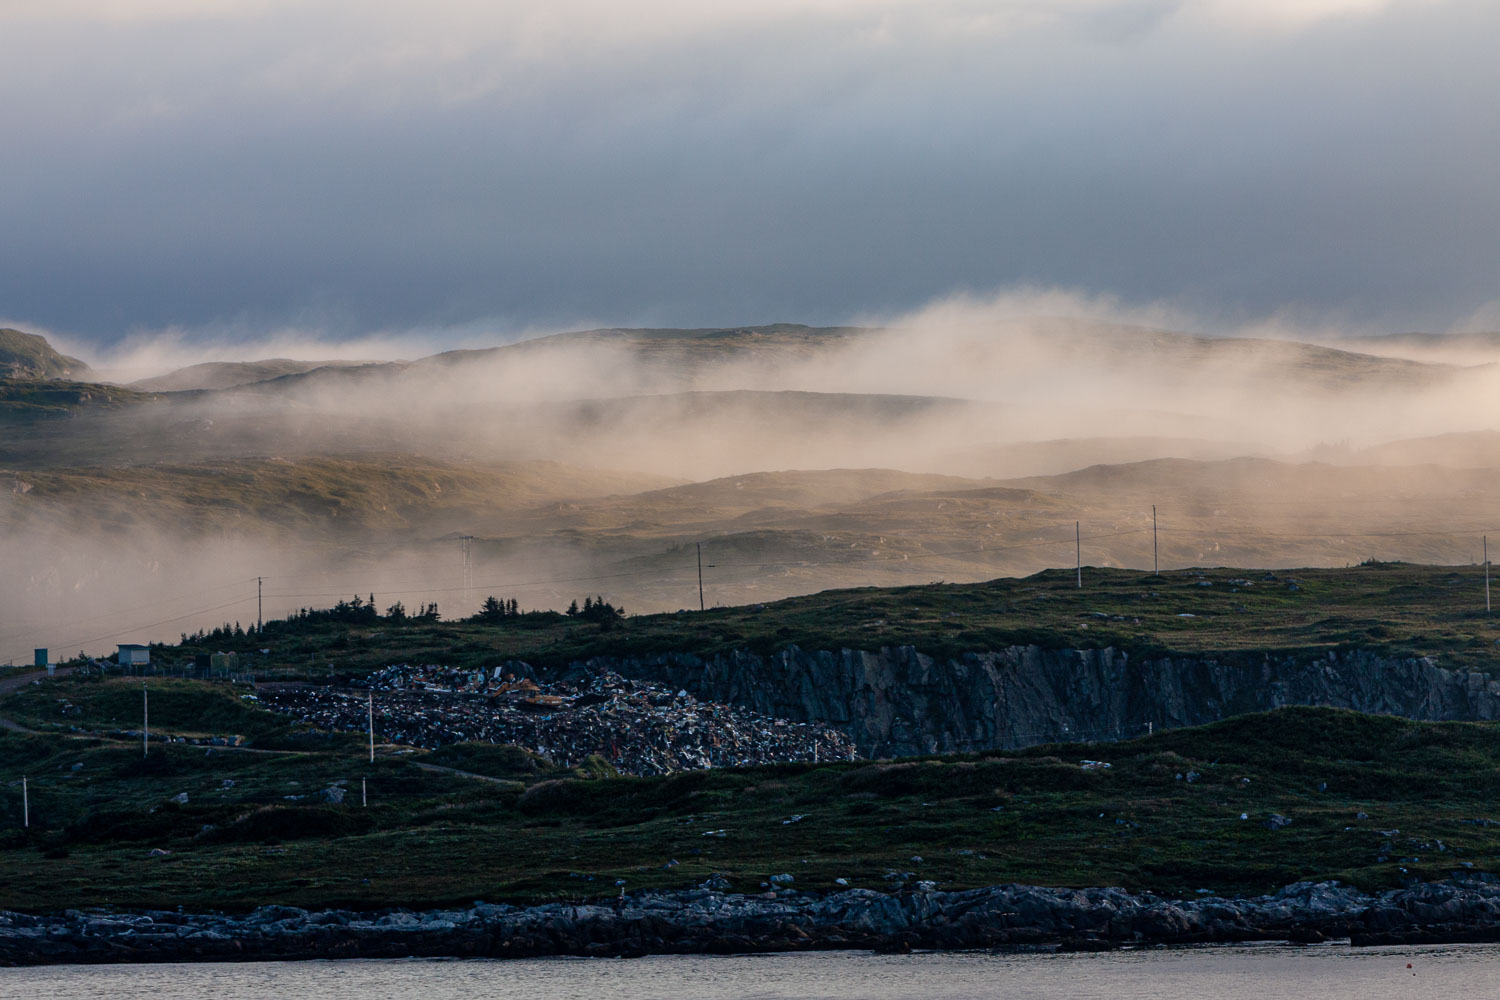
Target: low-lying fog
column 1369, row 449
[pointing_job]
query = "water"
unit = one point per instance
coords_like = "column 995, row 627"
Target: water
column 1332, row 972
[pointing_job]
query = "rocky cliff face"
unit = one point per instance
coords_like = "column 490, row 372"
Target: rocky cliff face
column 897, row 701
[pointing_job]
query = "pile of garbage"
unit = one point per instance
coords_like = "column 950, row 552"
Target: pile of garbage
column 638, row 727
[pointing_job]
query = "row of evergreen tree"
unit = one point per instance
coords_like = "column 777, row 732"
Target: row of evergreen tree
column 595, row 609
column 494, row 611
column 358, row 611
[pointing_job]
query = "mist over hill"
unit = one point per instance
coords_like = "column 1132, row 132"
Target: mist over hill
column 957, row 444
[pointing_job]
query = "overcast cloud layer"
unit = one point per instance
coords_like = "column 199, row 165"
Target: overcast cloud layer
column 234, row 168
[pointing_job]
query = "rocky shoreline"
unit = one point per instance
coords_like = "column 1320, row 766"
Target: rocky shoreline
column 705, row 921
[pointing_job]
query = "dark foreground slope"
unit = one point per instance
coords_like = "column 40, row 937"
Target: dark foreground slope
column 1244, row 806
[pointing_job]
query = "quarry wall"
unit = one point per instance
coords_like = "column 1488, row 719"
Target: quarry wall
column 896, row 701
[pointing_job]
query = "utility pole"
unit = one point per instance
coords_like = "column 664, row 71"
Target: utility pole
column 25, row 803
column 364, row 799
column 466, row 542
column 1486, row 574
column 260, row 621
column 700, row 575
column 145, row 721
column 372, row 727
column 1155, row 561
column 1078, row 550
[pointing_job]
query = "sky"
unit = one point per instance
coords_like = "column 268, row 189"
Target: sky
column 469, row 170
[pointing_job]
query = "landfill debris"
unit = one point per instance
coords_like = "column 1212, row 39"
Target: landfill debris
column 639, row 727
column 1276, row 821
column 181, row 798
column 797, row 818
column 1093, row 765
column 782, row 879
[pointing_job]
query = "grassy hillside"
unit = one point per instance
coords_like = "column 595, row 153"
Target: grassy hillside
column 1405, row 610
column 229, row 374
column 1371, row 800
column 24, row 401
column 312, row 498
column 29, row 356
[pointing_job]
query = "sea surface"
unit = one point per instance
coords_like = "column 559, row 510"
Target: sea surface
column 1325, row 972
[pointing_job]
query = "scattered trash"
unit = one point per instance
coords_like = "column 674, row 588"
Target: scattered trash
column 639, row 727
column 1276, row 821
column 181, row 798
column 782, row 879
column 1093, row 765
column 799, row 817
column 159, row 852
column 1193, row 776
column 840, row 881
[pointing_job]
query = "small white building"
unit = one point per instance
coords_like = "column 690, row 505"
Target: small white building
column 133, row 654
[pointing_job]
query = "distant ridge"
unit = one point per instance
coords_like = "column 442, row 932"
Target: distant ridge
column 231, row 374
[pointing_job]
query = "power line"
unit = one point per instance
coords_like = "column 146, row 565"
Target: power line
column 1456, row 533
column 63, row 622
column 670, row 577
column 164, row 621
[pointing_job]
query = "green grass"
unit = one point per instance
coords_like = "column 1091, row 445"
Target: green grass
column 1401, row 609
column 1034, row 816
column 26, row 400
column 28, row 355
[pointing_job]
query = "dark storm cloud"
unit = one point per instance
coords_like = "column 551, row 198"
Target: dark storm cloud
column 359, row 168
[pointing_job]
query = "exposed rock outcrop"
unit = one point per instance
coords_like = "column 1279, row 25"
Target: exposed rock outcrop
column 704, row 921
column 897, row 701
